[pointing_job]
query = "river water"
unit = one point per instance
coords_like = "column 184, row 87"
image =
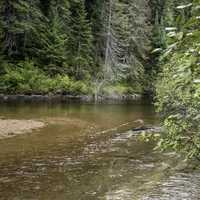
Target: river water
column 81, row 155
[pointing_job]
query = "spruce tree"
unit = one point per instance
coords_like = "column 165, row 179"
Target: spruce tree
column 53, row 52
column 96, row 14
column 19, row 20
column 79, row 41
column 126, row 37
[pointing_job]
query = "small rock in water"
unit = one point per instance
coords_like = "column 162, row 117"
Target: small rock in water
column 37, row 187
column 11, row 134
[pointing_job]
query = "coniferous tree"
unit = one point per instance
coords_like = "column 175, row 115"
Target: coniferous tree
column 54, row 49
column 139, row 34
column 80, row 38
column 19, row 20
column 96, row 13
column 79, row 41
column 126, row 37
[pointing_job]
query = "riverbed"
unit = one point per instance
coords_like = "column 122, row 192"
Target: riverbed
column 86, row 152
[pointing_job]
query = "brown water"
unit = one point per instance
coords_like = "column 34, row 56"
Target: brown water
column 79, row 156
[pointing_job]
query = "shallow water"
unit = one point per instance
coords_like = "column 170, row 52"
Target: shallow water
column 85, row 154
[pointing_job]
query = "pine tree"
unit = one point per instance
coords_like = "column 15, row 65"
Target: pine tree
column 53, row 52
column 126, row 38
column 96, row 13
column 79, row 41
column 19, row 20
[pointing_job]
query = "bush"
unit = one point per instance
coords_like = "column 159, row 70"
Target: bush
column 178, row 94
column 61, row 84
column 26, row 78
column 178, row 91
column 79, row 87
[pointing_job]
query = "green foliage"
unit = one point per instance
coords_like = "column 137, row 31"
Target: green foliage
column 26, row 78
column 20, row 22
column 23, row 78
column 53, row 52
column 121, row 89
column 126, row 33
column 79, row 41
column 178, row 85
column 69, row 38
column 146, row 137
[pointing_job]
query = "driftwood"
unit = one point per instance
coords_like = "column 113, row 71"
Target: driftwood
column 147, row 130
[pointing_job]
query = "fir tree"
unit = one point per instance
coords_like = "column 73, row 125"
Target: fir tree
column 18, row 20
column 79, row 41
column 53, row 52
column 126, row 38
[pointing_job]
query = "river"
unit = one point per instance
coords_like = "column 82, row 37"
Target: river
column 80, row 155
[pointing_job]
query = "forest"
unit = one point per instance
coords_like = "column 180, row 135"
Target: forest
column 90, row 46
column 99, row 99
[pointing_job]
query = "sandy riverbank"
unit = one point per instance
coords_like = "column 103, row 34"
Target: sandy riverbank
column 11, row 127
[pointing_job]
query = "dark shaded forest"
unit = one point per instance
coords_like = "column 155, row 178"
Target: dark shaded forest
column 65, row 45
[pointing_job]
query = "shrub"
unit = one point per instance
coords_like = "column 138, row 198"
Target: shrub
column 79, row 87
column 178, row 90
column 61, row 84
column 26, row 78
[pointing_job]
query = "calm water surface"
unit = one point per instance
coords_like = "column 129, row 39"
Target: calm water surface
column 80, row 155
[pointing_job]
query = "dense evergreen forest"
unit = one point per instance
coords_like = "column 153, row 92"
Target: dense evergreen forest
column 73, row 46
column 125, row 46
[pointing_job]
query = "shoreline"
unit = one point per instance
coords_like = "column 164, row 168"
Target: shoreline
column 6, row 98
column 10, row 127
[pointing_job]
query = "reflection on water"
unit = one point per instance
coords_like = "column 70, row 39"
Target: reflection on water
column 181, row 186
column 75, row 158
